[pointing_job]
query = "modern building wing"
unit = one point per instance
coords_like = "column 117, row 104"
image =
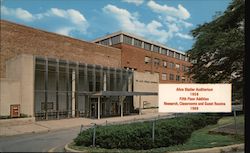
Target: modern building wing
column 148, row 56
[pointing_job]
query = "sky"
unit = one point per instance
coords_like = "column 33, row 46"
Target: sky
column 168, row 22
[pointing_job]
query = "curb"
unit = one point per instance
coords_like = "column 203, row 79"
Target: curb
column 230, row 148
column 235, row 147
column 67, row 149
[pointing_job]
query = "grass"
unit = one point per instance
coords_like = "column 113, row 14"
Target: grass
column 199, row 139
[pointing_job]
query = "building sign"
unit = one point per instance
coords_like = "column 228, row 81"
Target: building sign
column 181, row 98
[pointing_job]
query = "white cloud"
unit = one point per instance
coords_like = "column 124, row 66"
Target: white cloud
column 136, row 2
column 130, row 23
column 184, row 36
column 64, row 31
column 180, row 12
column 18, row 13
column 73, row 20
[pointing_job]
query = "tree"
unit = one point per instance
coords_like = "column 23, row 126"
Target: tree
column 218, row 52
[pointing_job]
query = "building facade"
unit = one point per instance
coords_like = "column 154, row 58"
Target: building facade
column 147, row 56
column 50, row 76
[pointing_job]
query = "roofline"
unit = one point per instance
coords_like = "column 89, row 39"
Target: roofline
column 137, row 37
column 56, row 34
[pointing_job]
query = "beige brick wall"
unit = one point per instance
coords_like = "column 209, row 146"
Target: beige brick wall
column 145, row 82
column 18, row 87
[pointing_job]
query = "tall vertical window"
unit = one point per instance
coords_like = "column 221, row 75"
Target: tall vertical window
column 147, row 46
column 183, row 57
column 171, row 53
column 127, row 39
column 164, row 76
column 177, row 55
column 177, row 78
column 171, row 65
column 137, row 43
column 163, row 51
column 183, row 68
column 156, row 62
column 156, row 49
column 171, row 77
column 115, row 39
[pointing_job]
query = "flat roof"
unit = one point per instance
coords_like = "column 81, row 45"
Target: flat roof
column 136, row 37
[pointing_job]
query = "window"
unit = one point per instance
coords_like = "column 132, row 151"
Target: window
column 183, row 68
column 127, row 39
column 187, row 69
column 156, row 49
column 137, row 43
column 164, row 76
column 163, row 51
column 171, row 77
column 183, row 79
column 186, row 58
column 183, row 57
column 105, row 42
column 115, row 40
column 171, row 65
column 164, row 63
column 171, row 53
column 156, row 62
column 147, row 59
column 177, row 78
column 177, row 55
column 177, row 66
column 147, row 46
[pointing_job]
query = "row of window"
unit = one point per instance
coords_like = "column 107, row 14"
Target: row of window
column 157, row 62
column 147, row 46
column 173, row 77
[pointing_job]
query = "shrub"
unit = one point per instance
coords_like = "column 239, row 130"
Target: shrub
column 139, row 135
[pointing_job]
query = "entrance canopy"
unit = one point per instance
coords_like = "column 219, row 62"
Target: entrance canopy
column 118, row 93
column 124, row 93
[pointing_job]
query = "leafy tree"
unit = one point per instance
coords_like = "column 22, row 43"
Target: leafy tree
column 218, row 53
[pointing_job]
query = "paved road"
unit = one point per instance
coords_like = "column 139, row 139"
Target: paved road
column 40, row 142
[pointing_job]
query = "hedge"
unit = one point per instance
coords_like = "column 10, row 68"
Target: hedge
column 139, row 135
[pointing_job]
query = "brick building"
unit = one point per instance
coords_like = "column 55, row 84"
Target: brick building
column 50, row 76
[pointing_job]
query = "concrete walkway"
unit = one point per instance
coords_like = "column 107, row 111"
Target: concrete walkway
column 10, row 127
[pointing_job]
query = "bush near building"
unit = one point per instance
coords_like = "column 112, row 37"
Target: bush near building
column 138, row 136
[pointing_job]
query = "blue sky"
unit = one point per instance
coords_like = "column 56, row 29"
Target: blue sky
column 168, row 22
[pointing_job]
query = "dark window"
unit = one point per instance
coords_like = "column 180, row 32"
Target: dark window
column 177, row 55
column 177, row 78
column 147, row 46
column 137, row 43
column 115, row 40
column 171, row 65
column 127, row 40
column 163, row 51
column 156, row 49
column 105, row 42
column 156, row 62
column 171, row 53
column 171, row 77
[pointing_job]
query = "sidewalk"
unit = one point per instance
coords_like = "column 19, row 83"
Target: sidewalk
column 29, row 125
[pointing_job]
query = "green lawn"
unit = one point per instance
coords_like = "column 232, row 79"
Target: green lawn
column 199, row 139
